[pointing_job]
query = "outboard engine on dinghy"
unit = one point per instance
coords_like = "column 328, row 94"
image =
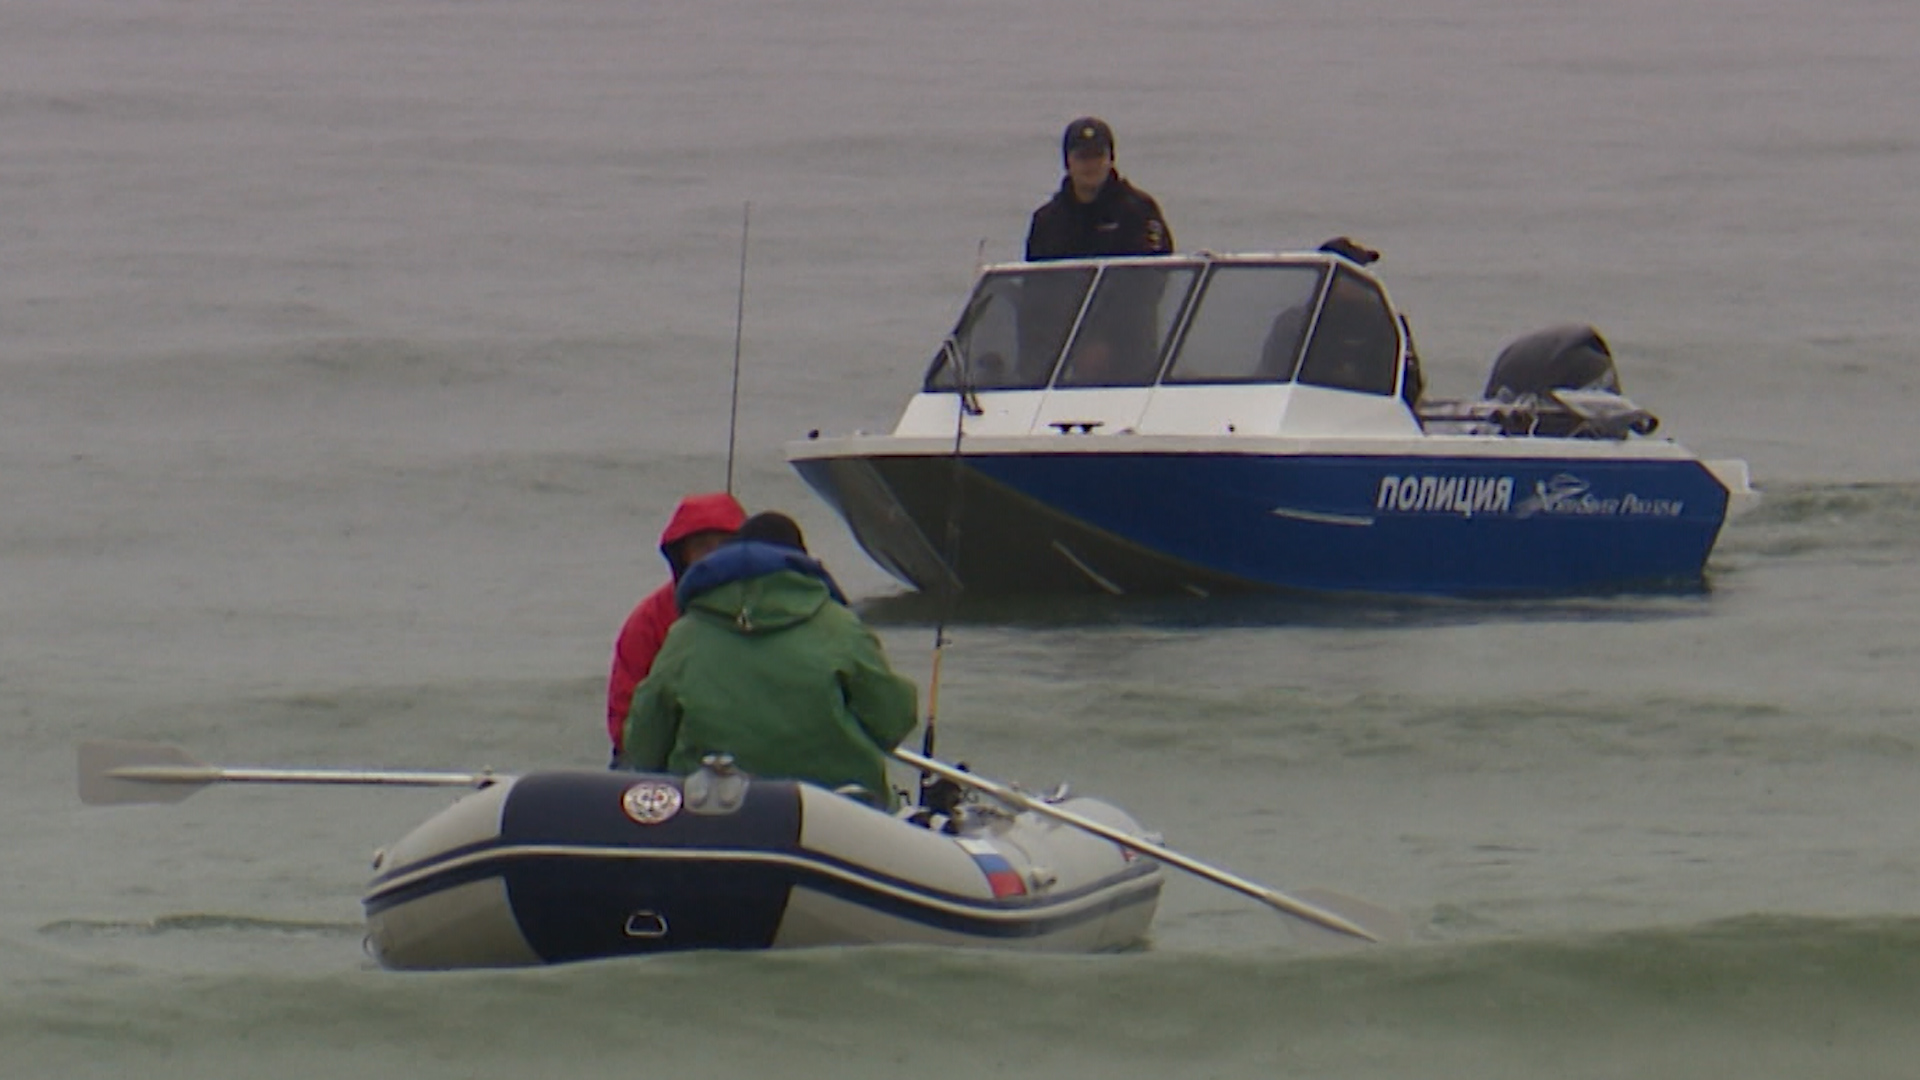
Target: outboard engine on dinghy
column 1563, row 382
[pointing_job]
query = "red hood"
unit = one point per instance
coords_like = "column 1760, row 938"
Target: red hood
column 714, row 511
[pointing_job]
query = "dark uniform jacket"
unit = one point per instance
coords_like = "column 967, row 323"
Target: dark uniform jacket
column 1121, row 220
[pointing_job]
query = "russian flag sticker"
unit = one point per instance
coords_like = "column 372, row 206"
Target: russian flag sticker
column 1002, row 878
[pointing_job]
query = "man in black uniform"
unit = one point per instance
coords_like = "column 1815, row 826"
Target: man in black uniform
column 1096, row 212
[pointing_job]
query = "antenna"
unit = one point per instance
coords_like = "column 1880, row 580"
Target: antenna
column 739, row 321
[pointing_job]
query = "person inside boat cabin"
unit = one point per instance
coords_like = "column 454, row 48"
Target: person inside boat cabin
column 1355, row 343
column 699, row 524
column 1096, row 211
column 769, row 665
column 1413, row 381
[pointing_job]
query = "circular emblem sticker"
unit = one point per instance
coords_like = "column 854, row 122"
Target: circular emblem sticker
column 651, row 802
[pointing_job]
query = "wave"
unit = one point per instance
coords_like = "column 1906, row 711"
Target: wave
column 1874, row 521
column 1758, row 996
column 82, row 929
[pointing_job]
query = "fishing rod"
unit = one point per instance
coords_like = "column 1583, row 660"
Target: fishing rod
column 967, row 404
column 966, row 407
column 739, row 322
column 951, row 600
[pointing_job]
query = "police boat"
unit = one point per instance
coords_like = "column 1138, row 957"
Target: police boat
column 1212, row 423
column 551, row 867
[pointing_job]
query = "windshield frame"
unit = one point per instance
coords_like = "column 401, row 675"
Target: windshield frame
column 997, row 321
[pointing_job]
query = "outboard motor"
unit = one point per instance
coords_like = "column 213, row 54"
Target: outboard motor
column 1562, row 382
column 1569, row 357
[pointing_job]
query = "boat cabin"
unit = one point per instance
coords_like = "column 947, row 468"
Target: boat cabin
column 1203, row 344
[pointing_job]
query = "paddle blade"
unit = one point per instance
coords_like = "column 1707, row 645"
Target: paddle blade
column 115, row 771
column 1387, row 926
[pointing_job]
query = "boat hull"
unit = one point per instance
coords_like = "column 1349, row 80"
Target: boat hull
column 1120, row 521
column 558, row 867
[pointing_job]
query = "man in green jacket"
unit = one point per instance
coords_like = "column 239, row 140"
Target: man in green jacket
column 768, row 664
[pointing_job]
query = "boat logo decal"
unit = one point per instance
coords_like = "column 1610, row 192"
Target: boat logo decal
column 1562, row 495
column 651, row 802
column 1568, row 495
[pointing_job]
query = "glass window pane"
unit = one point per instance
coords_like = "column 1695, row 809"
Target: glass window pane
column 1125, row 330
column 1247, row 325
column 1012, row 329
column 1356, row 345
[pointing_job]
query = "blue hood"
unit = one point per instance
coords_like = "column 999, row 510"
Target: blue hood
column 742, row 559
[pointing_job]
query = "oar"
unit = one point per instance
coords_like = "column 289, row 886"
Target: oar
column 116, row 771
column 1273, row 898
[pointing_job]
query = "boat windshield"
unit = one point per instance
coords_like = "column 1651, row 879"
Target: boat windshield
column 1123, row 336
column 1248, row 324
column 1111, row 324
column 1012, row 329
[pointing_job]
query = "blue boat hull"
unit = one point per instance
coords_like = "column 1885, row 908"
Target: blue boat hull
column 1203, row 523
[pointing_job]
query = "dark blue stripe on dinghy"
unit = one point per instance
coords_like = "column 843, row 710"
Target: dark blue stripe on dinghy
column 381, row 894
column 574, row 908
column 583, row 809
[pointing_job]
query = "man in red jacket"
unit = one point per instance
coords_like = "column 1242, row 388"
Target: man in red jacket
column 699, row 524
